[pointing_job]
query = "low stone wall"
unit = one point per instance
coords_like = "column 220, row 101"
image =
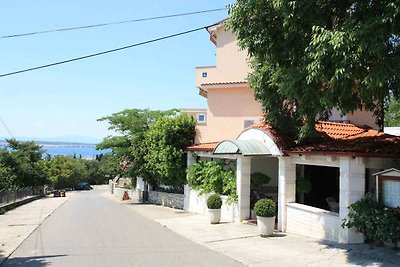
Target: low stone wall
column 166, row 199
column 133, row 194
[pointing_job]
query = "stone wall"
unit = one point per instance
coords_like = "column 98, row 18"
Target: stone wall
column 134, row 194
column 166, row 199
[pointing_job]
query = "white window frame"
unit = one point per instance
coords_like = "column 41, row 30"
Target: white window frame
column 201, row 121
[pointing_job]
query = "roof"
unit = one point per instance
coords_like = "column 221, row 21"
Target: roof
column 224, row 83
column 338, row 138
column 386, row 171
column 212, row 28
column 332, row 138
column 208, row 147
column 244, row 147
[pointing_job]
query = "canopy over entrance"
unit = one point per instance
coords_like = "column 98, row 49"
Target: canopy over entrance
column 244, row 147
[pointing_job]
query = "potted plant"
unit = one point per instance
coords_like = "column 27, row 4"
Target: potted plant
column 265, row 211
column 214, row 203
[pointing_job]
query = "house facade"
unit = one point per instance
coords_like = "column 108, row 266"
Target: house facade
column 337, row 165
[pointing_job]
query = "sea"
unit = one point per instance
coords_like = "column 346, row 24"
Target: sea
column 79, row 150
column 84, row 151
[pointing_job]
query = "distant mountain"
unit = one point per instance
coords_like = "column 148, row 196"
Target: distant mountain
column 76, row 139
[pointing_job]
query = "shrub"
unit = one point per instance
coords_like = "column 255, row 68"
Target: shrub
column 265, row 208
column 374, row 220
column 210, row 176
column 214, row 201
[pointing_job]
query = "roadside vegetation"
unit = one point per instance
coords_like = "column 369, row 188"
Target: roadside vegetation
column 22, row 165
column 150, row 144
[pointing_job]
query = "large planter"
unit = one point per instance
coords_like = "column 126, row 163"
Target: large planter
column 266, row 225
column 215, row 215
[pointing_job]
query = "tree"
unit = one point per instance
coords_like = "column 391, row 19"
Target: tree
column 7, row 178
column 108, row 165
column 308, row 57
column 66, row 171
column 128, row 146
column 165, row 141
column 23, row 161
column 392, row 114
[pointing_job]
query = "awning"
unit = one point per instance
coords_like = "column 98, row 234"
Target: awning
column 244, row 147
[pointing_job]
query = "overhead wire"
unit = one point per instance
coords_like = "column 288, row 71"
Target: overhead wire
column 5, row 127
column 103, row 52
column 111, row 23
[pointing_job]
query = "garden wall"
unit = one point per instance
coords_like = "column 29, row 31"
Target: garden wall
column 196, row 203
column 166, row 199
column 314, row 222
column 134, row 194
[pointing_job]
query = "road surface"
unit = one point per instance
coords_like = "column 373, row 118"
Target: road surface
column 94, row 230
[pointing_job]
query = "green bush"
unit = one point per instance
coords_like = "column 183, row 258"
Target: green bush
column 214, row 201
column 265, row 208
column 375, row 221
column 210, row 176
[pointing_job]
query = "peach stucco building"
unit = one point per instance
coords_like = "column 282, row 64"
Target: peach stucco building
column 339, row 164
column 231, row 106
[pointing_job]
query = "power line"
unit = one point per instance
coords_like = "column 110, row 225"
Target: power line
column 102, row 53
column 112, row 23
column 5, row 126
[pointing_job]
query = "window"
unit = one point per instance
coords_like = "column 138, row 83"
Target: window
column 389, row 190
column 201, row 118
column 204, row 74
column 318, row 186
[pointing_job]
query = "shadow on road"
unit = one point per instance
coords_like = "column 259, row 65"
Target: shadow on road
column 35, row 261
column 364, row 255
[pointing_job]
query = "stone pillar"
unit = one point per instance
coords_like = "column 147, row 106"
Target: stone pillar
column 243, row 171
column 352, row 188
column 286, row 189
column 186, row 200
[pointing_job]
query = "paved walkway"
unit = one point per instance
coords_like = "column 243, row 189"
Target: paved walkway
column 241, row 242
column 235, row 240
column 17, row 224
column 91, row 230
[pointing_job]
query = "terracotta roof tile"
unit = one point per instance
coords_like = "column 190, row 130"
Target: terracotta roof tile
column 342, row 138
column 223, row 83
column 202, row 147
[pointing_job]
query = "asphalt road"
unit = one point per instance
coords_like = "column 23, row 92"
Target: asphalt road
column 93, row 230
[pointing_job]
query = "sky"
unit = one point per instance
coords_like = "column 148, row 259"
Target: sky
column 66, row 100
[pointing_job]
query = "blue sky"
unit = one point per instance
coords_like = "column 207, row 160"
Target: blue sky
column 67, row 99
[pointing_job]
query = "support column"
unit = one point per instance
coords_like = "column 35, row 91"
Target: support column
column 286, row 189
column 186, row 199
column 352, row 189
column 243, row 171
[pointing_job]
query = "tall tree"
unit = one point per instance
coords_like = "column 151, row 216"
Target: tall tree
column 308, row 57
column 165, row 142
column 128, row 146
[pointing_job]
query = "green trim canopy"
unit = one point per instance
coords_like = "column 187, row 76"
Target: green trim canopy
column 244, row 147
